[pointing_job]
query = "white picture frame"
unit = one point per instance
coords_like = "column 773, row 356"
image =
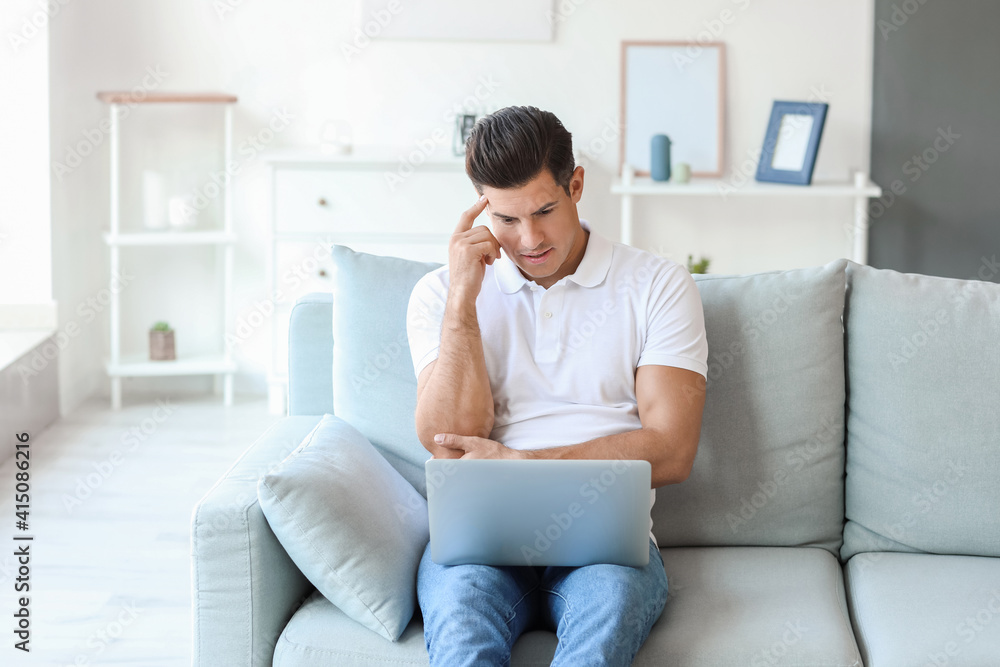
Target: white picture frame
column 677, row 89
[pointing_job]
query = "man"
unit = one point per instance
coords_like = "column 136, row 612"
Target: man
column 565, row 345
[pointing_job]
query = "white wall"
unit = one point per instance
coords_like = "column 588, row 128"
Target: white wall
column 25, row 244
column 289, row 55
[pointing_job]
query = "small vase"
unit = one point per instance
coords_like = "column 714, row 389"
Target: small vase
column 659, row 157
column 161, row 345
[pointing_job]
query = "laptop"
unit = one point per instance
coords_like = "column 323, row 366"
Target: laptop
column 538, row 512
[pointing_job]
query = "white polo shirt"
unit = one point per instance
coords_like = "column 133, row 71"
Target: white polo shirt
column 562, row 361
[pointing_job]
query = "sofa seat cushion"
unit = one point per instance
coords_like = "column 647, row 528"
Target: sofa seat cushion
column 728, row 606
column 925, row 609
column 752, row 606
column 319, row 634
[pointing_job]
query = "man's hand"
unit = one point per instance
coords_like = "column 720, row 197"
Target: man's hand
column 471, row 447
column 469, row 251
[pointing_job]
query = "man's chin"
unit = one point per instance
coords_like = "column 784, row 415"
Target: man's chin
column 536, row 272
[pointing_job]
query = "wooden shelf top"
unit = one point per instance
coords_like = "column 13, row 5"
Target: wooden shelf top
column 128, row 97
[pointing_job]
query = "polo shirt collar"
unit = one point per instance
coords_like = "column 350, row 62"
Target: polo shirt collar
column 591, row 271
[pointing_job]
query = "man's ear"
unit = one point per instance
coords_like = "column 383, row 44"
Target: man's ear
column 576, row 185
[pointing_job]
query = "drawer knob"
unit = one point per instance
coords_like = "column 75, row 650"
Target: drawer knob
column 322, row 201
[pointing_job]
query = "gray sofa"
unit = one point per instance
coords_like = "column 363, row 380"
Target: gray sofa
column 843, row 508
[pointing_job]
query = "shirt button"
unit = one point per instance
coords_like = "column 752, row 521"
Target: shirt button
column 548, row 314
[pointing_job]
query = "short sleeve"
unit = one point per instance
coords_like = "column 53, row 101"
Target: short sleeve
column 675, row 322
column 424, row 315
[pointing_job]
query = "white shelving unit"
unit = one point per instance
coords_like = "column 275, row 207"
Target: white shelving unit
column 220, row 365
column 629, row 186
column 308, row 203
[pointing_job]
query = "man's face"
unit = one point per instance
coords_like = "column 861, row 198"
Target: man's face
column 539, row 217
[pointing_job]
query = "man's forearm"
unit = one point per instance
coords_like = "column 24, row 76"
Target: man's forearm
column 669, row 466
column 457, row 397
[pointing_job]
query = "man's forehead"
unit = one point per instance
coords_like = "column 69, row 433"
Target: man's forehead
column 521, row 201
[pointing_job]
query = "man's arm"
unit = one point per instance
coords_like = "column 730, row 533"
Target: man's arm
column 453, row 391
column 670, row 401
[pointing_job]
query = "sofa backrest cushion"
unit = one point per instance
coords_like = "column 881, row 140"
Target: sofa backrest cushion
column 374, row 388
column 770, row 464
column 923, row 421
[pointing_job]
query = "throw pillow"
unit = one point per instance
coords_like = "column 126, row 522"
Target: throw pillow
column 353, row 526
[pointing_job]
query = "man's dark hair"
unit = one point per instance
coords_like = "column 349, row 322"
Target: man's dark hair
column 509, row 147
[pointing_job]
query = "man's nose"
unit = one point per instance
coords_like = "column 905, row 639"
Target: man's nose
column 531, row 235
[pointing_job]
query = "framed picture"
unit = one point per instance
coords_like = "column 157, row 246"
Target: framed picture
column 464, row 123
column 791, row 142
column 676, row 89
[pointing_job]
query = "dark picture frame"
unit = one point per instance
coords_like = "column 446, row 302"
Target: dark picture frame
column 792, row 142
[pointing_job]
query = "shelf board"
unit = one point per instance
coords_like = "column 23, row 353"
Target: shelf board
column 169, row 238
column 720, row 188
column 379, row 156
column 344, row 238
column 128, row 97
column 138, row 366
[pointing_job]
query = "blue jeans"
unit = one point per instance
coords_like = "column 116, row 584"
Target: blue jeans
column 473, row 614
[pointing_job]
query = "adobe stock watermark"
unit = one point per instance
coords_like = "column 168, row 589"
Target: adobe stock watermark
column 32, row 24
column 103, row 469
column 87, row 310
column 712, row 32
column 94, row 137
column 914, row 168
column 989, row 269
column 969, row 629
column 563, row 10
column 610, row 132
column 898, row 17
column 931, row 325
column 926, row 501
column 774, row 653
column 424, row 148
column 248, row 149
column 224, row 7
column 795, row 461
column 627, row 288
column 591, row 491
column 370, row 30
column 103, row 637
column 752, row 329
column 291, row 279
column 910, row 345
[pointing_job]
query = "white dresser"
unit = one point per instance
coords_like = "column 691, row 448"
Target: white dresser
column 377, row 200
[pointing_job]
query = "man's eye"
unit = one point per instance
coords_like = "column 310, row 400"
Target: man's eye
column 546, row 212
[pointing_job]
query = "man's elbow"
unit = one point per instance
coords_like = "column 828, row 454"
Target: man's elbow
column 428, row 428
column 678, row 467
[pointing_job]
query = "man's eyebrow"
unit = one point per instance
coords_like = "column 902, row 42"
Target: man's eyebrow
column 543, row 207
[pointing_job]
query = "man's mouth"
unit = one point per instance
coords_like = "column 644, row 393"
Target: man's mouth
column 538, row 258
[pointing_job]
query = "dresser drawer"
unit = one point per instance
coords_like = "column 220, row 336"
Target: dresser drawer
column 363, row 201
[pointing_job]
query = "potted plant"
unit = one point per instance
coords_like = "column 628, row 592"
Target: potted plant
column 161, row 342
column 701, row 266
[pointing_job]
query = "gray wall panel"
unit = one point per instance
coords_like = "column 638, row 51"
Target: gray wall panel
column 936, row 65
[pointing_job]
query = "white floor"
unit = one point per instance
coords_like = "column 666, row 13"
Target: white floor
column 110, row 569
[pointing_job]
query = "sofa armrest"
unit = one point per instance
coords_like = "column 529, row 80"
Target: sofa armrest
column 245, row 587
column 310, row 355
